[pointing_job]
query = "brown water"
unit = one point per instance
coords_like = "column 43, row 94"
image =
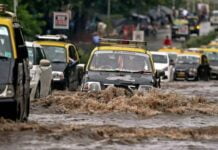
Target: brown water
column 181, row 115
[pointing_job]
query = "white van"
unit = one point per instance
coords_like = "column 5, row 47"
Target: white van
column 214, row 17
column 162, row 63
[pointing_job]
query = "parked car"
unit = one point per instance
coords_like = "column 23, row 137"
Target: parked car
column 64, row 58
column 40, row 71
column 14, row 76
column 186, row 66
column 162, row 63
column 121, row 64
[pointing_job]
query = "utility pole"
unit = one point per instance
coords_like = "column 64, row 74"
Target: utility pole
column 15, row 6
column 108, row 9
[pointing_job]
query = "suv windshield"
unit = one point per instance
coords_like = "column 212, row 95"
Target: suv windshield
column 120, row 61
column 55, row 54
column 162, row 59
column 5, row 43
column 188, row 60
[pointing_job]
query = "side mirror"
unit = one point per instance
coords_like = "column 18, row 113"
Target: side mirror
column 172, row 63
column 44, row 63
column 30, row 65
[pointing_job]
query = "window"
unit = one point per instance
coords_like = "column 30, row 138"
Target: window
column 5, row 43
column 20, row 45
column 39, row 55
column 72, row 53
column 120, row 61
column 55, row 54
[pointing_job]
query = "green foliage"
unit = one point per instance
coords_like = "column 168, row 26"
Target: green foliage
column 201, row 40
column 31, row 24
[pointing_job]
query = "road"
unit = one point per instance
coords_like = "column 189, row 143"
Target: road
column 155, row 43
column 180, row 115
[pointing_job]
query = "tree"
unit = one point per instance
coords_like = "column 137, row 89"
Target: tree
column 31, row 23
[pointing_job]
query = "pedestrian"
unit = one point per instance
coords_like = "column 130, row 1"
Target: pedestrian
column 204, row 69
column 167, row 41
column 96, row 38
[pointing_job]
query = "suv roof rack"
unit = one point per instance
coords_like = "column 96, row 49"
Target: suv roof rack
column 58, row 37
column 4, row 12
column 122, row 42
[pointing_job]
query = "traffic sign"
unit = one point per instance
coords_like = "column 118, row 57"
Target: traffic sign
column 61, row 20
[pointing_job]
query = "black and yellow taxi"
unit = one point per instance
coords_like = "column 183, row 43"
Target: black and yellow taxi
column 186, row 66
column 64, row 58
column 120, row 63
column 14, row 66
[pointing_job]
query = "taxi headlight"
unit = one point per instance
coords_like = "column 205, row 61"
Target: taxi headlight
column 8, row 92
column 57, row 75
column 192, row 70
column 91, row 87
column 144, row 88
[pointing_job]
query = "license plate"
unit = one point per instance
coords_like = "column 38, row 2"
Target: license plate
column 181, row 74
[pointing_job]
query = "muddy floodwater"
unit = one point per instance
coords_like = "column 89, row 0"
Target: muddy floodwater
column 180, row 115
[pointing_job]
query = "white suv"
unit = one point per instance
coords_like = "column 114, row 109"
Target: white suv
column 40, row 71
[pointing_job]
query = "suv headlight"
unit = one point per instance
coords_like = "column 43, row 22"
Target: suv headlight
column 91, row 87
column 144, row 88
column 57, row 75
column 8, row 92
column 193, row 70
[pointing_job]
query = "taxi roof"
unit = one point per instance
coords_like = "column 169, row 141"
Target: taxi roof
column 209, row 49
column 53, row 43
column 120, row 48
column 170, row 50
column 190, row 54
column 5, row 21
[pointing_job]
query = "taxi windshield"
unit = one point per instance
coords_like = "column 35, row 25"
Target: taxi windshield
column 188, row 60
column 162, row 59
column 172, row 56
column 212, row 56
column 120, row 61
column 55, row 54
column 5, row 43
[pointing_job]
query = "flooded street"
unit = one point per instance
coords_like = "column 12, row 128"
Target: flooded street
column 180, row 115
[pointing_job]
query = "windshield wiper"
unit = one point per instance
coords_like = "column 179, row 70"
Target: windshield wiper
column 3, row 57
column 141, row 71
